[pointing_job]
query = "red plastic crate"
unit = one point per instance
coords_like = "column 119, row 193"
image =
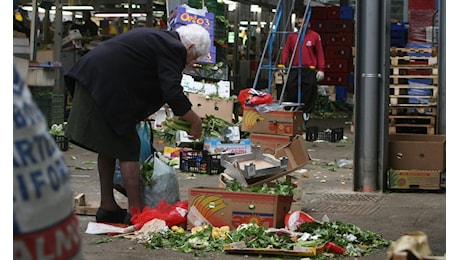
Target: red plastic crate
column 334, row 78
column 343, row 39
column 345, row 26
column 318, row 12
column 338, row 52
column 422, row 5
column 320, row 26
column 333, row 12
column 338, row 65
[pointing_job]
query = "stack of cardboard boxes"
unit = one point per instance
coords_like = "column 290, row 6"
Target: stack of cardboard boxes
column 271, row 130
column 416, row 162
column 336, row 26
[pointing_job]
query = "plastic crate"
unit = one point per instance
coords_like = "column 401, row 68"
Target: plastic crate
column 200, row 162
column 346, row 13
column 330, row 135
column 62, row 142
column 311, row 133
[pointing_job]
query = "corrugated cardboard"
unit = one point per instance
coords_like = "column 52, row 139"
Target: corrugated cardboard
column 214, row 146
column 417, row 151
column 414, row 179
column 219, row 207
column 281, row 122
column 44, row 77
column 269, row 142
column 219, row 107
column 296, row 152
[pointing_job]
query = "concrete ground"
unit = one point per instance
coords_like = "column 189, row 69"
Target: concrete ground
column 324, row 191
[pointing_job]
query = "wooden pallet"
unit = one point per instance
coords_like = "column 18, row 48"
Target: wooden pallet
column 412, row 120
column 413, row 99
column 412, row 110
column 405, row 89
column 83, row 207
column 419, row 70
column 413, row 61
column 411, row 128
column 401, row 52
column 404, row 79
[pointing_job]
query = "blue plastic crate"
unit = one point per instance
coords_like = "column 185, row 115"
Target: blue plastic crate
column 346, row 13
column 418, row 92
column 420, row 81
column 398, row 42
column 340, row 92
column 397, row 27
column 419, row 45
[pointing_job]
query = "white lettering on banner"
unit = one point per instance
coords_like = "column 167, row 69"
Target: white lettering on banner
column 60, row 242
column 30, row 184
column 26, row 115
column 33, row 150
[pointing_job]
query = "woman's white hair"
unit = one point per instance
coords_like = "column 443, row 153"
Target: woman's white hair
column 198, row 36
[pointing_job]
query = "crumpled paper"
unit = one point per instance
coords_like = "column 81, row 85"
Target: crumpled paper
column 95, row 228
column 414, row 242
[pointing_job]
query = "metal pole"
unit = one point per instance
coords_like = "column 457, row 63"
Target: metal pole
column 368, row 95
column 149, row 8
column 59, row 82
column 33, row 31
column 130, row 15
column 442, row 69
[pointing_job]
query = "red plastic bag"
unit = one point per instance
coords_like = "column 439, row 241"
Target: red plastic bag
column 173, row 215
column 253, row 97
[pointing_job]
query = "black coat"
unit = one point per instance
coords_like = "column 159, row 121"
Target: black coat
column 132, row 75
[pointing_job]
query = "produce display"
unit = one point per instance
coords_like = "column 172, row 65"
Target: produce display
column 325, row 239
column 335, row 238
column 212, row 127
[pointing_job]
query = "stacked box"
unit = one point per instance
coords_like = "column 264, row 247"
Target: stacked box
column 421, row 17
column 271, row 130
column 187, row 15
column 205, row 105
column 398, row 35
column 413, row 89
column 336, row 26
column 51, row 105
column 416, row 161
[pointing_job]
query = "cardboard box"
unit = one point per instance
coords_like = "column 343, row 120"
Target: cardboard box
column 44, row 77
column 219, row 207
column 414, row 179
column 417, row 151
column 268, row 142
column 188, row 15
column 214, row 145
column 220, row 89
column 219, row 107
column 281, row 122
column 296, row 152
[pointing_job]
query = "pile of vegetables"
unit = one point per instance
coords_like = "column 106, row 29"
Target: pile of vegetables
column 57, row 129
column 212, row 127
column 206, row 238
column 349, row 238
column 281, row 187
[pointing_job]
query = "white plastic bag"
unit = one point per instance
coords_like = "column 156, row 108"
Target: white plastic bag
column 164, row 183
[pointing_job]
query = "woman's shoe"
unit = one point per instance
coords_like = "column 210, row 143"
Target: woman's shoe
column 116, row 216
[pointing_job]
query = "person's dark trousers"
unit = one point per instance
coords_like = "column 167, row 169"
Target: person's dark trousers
column 309, row 88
